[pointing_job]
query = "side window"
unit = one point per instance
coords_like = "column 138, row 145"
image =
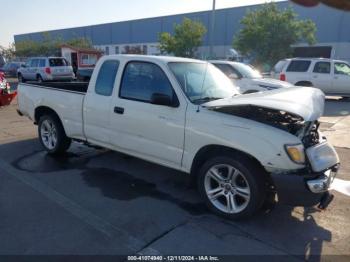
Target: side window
column 298, row 66
column 341, row 69
column 28, row 63
column 141, row 80
column 34, row 63
column 106, row 77
column 322, row 68
column 279, row 66
column 42, row 63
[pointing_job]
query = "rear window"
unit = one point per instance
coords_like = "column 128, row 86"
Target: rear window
column 298, row 66
column 279, row 66
column 57, row 62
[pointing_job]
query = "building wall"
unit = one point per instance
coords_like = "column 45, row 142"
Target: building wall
column 332, row 27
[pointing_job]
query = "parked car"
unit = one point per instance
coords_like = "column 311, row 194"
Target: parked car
column 45, row 69
column 10, row 68
column 246, row 78
column 187, row 115
column 2, row 61
column 331, row 76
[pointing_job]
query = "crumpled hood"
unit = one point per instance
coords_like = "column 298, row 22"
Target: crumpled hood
column 270, row 82
column 306, row 102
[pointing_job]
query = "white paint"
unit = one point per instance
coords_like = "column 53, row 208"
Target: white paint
column 341, row 186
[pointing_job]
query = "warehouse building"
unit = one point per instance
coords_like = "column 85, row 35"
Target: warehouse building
column 141, row 36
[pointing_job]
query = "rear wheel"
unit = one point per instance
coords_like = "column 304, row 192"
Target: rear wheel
column 52, row 135
column 21, row 78
column 231, row 186
column 39, row 79
column 304, row 83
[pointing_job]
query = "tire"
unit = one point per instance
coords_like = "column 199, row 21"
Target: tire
column 304, row 83
column 39, row 79
column 246, row 189
column 52, row 135
column 20, row 78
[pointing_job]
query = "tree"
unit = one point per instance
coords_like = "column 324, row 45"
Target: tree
column 268, row 33
column 8, row 52
column 48, row 46
column 186, row 39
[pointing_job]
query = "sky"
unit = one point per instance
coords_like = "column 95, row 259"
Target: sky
column 23, row 16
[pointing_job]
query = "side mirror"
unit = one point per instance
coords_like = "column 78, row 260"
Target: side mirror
column 162, row 100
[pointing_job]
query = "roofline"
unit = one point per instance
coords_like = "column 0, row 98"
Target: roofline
column 146, row 18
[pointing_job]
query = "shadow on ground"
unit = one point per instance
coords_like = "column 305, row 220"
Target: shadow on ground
column 286, row 229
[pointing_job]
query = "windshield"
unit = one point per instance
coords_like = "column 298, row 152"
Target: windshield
column 247, row 71
column 202, row 82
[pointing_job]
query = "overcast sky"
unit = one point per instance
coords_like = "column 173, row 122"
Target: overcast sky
column 23, row 16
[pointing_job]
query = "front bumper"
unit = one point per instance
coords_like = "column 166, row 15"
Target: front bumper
column 304, row 188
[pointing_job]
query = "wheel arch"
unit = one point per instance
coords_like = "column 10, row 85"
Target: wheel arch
column 304, row 83
column 209, row 151
column 45, row 110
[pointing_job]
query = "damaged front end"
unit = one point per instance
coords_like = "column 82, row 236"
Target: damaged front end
column 309, row 185
column 288, row 122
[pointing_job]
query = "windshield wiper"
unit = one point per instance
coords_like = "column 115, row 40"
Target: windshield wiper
column 206, row 99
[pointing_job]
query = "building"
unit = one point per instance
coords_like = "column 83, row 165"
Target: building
column 141, row 36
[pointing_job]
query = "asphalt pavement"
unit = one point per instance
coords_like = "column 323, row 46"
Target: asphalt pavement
column 99, row 202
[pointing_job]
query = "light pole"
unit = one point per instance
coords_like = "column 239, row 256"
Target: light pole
column 212, row 27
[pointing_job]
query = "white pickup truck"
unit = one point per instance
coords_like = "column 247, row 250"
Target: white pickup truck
column 187, row 115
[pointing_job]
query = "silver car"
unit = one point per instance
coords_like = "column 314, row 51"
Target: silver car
column 45, row 69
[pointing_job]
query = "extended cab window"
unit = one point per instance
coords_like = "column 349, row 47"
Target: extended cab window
column 142, row 79
column 322, row 68
column 106, row 77
column 341, row 69
column 298, row 66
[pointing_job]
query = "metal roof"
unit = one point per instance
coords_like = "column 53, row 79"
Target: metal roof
column 332, row 26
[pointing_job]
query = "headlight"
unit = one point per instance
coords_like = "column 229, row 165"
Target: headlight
column 296, row 153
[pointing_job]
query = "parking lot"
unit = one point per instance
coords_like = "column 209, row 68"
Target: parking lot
column 94, row 201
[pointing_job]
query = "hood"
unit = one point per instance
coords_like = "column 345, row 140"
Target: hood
column 306, row 102
column 269, row 82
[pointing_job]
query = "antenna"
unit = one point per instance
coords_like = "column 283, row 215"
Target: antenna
column 205, row 75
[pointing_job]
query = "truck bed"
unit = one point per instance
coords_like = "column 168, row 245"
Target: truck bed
column 80, row 87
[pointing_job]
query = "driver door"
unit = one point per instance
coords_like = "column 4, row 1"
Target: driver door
column 151, row 131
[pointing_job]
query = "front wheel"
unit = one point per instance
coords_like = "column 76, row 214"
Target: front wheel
column 232, row 187
column 52, row 135
column 21, row 78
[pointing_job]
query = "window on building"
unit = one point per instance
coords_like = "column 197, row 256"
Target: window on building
column 106, row 78
column 322, row 68
column 107, row 50
column 88, row 59
column 299, row 66
column 144, row 49
column 141, row 80
column 117, row 50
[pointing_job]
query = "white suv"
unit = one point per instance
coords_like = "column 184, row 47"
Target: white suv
column 331, row 76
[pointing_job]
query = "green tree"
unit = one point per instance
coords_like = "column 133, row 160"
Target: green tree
column 7, row 52
column 268, row 33
column 186, row 39
column 48, row 46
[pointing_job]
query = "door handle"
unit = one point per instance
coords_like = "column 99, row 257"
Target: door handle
column 119, row 110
